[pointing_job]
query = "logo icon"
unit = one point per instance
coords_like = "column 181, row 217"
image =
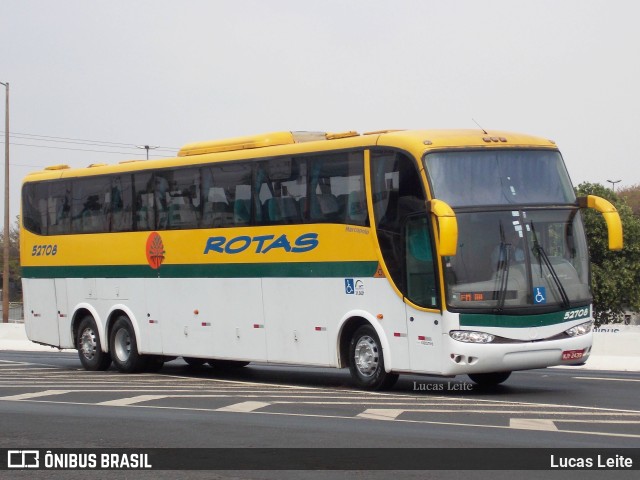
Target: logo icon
column 155, row 250
column 23, row 459
column 353, row 286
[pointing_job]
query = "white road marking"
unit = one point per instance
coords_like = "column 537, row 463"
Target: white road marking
column 122, row 402
column 381, row 413
column 608, row 379
column 297, row 395
column 29, row 396
column 533, row 424
column 243, row 407
column 501, row 412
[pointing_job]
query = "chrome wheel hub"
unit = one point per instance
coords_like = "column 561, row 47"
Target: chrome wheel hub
column 366, row 356
column 88, row 344
column 122, row 344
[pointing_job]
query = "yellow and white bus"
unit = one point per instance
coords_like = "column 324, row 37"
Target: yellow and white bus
column 433, row 252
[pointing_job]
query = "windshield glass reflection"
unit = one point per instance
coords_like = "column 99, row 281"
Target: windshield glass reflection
column 509, row 260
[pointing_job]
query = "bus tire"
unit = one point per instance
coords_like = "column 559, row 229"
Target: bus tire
column 366, row 361
column 489, row 379
column 90, row 347
column 124, row 348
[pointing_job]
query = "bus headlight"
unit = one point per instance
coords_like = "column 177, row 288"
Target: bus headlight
column 580, row 329
column 471, row 337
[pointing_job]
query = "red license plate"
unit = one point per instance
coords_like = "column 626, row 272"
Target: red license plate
column 572, row 354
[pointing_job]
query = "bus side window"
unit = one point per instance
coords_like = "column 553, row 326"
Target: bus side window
column 161, row 199
column 226, row 195
column 120, row 204
column 285, row 192
column 59, row 208
column 34, row 207
column 89, row 204
column 182, row 198
column 216, row 210
column 419, row 266
column 397, row 193
column 144, row 218
column 336, row 189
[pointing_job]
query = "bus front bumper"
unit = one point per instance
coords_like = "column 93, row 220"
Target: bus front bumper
column 463, row 358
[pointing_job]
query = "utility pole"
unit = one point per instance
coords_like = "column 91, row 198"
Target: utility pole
column 147, row 148
column 5, row 266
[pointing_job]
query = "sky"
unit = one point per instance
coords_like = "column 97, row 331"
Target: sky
column 110, row 75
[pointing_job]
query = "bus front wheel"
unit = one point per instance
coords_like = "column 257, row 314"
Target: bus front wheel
column 366, row 361
column 124, row 348
column 89, row 346
column 489, row 379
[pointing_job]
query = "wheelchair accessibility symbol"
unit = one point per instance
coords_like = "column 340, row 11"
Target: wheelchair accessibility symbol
column 353, row 286
column 349, row 288
column 539, row 295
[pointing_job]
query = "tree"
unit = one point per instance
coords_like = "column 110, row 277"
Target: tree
column 15, row 283
column 615, row 276
column 631, row 196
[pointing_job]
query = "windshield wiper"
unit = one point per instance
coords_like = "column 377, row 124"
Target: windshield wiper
column 539, row 251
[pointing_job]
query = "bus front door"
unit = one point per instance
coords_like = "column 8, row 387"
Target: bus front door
column 420, row 290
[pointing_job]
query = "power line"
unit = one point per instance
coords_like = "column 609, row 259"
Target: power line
column 80, row 141
column 80, row 149
column 99, row 144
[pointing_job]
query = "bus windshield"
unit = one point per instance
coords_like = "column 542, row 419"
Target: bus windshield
column 518, row 259
column 499, row 177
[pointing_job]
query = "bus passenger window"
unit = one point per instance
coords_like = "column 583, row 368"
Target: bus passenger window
column 89, row 204
column 336, row 189
column 182, row 198
column 280, row 189
column 144, row 217
column 161, row 202
column 226, row 195
column 120, row 204
column 59, row 208
column 34, row 207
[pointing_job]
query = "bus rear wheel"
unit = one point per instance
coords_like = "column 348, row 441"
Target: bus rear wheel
column 366, row 361
column 89, row 346
column 489, row 379
column 124, row 348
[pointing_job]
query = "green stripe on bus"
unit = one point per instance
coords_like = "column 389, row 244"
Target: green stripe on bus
column 236, row 270
column 511, row 321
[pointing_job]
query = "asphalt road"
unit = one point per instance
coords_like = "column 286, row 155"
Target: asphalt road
column 48, row 401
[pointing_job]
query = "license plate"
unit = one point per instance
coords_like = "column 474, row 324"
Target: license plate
column 572, row 354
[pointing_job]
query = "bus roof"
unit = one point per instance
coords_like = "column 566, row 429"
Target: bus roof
column 272, row 144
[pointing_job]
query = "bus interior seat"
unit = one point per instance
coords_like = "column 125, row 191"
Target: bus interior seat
column 144, row 211
column 217, row 214
column 356, row 210
column 242, row 211
column 324, row 207
column 181, row 215
column 282, row 210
